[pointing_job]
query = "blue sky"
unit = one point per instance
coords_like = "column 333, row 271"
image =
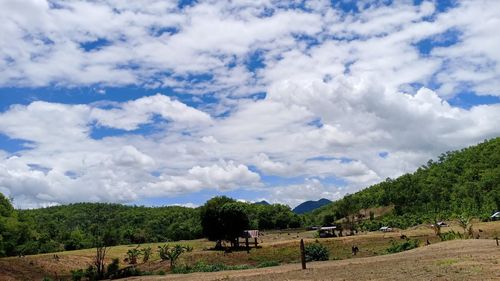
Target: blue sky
column 176, row 102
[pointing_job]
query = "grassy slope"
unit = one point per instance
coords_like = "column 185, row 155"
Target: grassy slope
column 276, row 246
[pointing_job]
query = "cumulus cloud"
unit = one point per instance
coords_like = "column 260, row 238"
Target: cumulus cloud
column 311, row 189
column 310, row 92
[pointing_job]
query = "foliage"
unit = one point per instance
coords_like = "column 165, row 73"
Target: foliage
column 458, row 182
column 74, row 226
column 316, row 252
column 465, row 222
column 408, row 244
column 113, row 268
column 172, row 253
column 71, row 227
column 222, row 218
column 268, row 264
column 450, row 235
column 204, row 267
column 129, row 271
column 77, row 275
column 146, row 253
column 91, row 273
column 133, row 254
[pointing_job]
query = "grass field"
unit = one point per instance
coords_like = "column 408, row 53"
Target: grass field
column 276, row 247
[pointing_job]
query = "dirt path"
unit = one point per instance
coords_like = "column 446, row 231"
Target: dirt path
column 453, row 260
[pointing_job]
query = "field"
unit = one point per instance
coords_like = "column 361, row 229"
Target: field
column 441, row 261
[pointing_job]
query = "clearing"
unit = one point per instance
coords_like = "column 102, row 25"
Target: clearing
column 445, row 260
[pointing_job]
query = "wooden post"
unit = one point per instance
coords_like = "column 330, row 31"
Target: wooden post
column 255, row 241
column 302, row 254
column 496, row 238
column 247, row 244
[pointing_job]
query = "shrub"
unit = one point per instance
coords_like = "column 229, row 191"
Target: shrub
column 268, row 264
column 113, row 268
column 133, row 254
column 91, row 273
column 172, row 253
column 146, row 254
column 204, row 267
column 316, row 252
column 128, row 271
column 450, row 235
column 77, row 275
column 405, row 246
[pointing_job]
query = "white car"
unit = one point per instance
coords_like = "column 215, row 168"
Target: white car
column 385, row 229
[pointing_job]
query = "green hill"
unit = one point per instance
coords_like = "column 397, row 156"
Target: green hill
column 309, row 206
column 73, row 226
column 464, row 182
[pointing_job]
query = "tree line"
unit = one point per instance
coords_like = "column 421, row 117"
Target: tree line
column 74, row 226
column 464, row 182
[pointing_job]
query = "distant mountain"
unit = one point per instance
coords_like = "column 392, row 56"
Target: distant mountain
column 263, row 202
column 309, row 206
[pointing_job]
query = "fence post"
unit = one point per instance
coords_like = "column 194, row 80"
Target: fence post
column 247, row 246
column 302, row 254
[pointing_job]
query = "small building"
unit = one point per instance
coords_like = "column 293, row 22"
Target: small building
column 249, row 234
column 327, row 231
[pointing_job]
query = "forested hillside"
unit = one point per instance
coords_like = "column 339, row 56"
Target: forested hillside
column 309, row 206
column 73, row 226
column 464, row 182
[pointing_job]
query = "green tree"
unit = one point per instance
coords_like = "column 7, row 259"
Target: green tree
column 172, row 253
column 223, row 219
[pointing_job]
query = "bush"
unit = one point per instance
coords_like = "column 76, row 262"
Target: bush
column 127, row 272
column 405, row 246
column 113, row 268
column 268, row 264
column 91, row 273
column 77, row 275
column 204, row 267
column 146, row 254
column 450, row 235
column 316, row 252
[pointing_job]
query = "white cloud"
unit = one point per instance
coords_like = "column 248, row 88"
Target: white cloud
column 130, row 115
column 331, row 105
column 311, row 189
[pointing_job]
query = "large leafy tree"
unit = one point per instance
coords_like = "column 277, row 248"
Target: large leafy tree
column 222, row 218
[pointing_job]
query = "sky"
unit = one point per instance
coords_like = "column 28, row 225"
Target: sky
column 160, row 102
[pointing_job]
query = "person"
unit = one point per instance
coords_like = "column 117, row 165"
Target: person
column 354, row 250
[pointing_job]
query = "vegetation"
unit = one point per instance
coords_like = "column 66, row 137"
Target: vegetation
column 408, row 244
column 316, row 252
column 172, row 253
column 73, row 226
column 459, row 182
column 223, row 219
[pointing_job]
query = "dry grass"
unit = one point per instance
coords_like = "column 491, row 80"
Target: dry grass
column 452, row 260
column 278, row 246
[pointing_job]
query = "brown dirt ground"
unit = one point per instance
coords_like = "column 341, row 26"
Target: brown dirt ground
column 453, row 260
column 278, row 246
